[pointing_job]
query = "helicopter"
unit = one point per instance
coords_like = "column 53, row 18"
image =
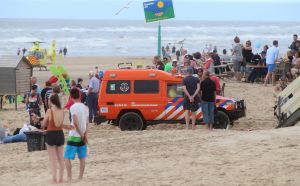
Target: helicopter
column 38, row 56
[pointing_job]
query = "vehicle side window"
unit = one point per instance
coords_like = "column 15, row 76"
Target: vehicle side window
column 175, row 91
column 146, row 86
column 118, row 87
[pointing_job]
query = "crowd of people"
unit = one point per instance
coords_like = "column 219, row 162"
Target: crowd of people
column 61, row 52
column 201, row 83
column 246, row 65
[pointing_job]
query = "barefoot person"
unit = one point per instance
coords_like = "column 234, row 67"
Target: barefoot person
column 77, row 139
column 208, row 97
column 191, row 87
column 272, row 55
column 55, row 139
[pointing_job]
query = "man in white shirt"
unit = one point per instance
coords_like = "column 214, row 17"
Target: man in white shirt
column 272, row 56
column 77, row 140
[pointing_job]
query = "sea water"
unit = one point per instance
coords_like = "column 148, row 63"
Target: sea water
column 137, row 38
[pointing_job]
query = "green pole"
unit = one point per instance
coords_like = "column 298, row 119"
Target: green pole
column 159, row 40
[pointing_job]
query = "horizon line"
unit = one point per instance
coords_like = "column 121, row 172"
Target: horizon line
column 105, row 19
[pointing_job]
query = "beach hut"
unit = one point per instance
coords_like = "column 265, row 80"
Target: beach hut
column 15, row 73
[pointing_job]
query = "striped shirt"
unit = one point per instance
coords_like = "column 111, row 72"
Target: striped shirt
column 47, row 96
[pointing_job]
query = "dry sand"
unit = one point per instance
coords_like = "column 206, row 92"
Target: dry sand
column 166, row 154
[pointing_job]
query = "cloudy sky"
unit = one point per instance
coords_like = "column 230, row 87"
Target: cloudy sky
column 220, row 10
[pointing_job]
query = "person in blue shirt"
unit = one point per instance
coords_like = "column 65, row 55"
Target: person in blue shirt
column 272, row 56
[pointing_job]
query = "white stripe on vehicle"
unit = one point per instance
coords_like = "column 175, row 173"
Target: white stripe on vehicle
column 198, row 111
column 180, row 117
column 175, row 113
column 165, row 112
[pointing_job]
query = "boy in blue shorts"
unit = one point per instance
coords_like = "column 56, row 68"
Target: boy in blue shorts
column 271, row 58
column 77, row 140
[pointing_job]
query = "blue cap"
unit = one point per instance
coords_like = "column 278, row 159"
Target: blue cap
column 190, row 70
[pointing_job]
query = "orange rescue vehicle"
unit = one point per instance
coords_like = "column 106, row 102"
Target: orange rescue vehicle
column 135, row 98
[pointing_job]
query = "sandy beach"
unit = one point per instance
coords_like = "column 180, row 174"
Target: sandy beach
column 251, row 153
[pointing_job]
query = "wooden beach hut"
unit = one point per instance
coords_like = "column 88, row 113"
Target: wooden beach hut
column 15, row 73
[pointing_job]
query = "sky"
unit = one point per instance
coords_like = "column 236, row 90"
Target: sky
column 209, row 10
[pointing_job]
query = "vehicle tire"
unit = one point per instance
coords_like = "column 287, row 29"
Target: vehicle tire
column 131, row 121
column 222, row 121
column 145, row 124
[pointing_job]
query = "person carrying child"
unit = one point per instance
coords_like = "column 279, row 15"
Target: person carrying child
column 33, row 102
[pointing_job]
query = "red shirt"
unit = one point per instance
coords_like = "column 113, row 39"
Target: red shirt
column 216, row 80
column 208, row 62
column 70, row 100
column 174, row 71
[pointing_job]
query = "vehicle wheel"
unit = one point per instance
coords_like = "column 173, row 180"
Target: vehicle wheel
column 221, row 121
column 145, row 124
column 131, row 121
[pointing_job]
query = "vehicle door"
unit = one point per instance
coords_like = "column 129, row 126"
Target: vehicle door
column 174, row 101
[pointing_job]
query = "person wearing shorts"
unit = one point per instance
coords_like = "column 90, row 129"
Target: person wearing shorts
column 271, row 58
column 191, row 87
column 77, row 140
column 271, row 68
column 55, row 138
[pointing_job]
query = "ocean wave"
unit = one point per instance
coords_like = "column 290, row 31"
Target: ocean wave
column 171, row 29
column 140, row 39
column 19, row 39
column 181, row 28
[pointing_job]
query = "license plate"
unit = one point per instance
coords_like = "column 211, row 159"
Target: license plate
column 103, row 110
